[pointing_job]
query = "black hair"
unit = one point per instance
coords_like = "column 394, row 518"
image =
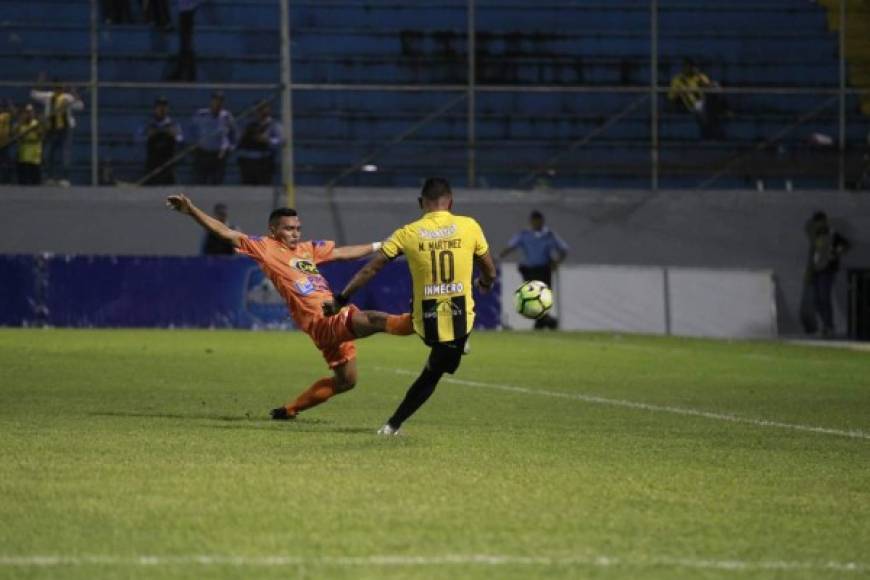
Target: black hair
column 281, row 212
column 820, row 216
column 435, row 188
column 536, row 215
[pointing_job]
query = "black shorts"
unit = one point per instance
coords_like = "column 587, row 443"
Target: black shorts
column 445, row 357
column 541, row 273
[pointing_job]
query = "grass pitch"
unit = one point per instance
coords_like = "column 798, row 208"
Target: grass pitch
column 146, row 454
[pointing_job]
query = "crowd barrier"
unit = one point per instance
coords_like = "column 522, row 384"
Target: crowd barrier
column 173, row 292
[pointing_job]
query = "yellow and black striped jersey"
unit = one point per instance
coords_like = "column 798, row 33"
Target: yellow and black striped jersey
column 440, row 249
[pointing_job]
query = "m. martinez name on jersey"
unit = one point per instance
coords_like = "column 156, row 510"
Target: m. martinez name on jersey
column 440, row 245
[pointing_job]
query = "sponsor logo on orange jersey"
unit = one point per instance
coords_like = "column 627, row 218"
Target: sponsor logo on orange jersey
column 304, row 265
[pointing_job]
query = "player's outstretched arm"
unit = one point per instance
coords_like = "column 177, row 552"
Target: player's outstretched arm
column 359, row 280
column 512, row 245
column 355, row 252
column 182, row 204
column 487, row 276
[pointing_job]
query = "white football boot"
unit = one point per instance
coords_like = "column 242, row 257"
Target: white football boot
column 387, row 430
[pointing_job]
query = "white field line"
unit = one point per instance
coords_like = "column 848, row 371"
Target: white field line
column 842, row 344
column 420, row 561
column 853, row 434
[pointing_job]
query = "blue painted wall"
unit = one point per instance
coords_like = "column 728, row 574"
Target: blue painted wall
column 196, row 292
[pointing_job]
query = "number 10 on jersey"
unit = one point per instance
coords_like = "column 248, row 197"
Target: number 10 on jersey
column 442, row 262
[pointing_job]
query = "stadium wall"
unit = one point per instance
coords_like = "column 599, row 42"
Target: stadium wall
column 688, row 229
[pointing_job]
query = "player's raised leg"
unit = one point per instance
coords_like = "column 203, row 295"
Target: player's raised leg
column 368, row 322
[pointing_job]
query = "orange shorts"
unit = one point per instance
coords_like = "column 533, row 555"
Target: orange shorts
column 332, row 335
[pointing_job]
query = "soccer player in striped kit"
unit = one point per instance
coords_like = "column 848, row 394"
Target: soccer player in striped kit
column 441, row 249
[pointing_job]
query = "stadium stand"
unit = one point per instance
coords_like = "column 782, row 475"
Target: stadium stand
column 523, row 138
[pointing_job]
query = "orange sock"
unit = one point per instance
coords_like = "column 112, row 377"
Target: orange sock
column 320, row 392
column 400, row 324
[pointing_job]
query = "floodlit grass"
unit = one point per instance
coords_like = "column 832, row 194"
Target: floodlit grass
column 117, row 445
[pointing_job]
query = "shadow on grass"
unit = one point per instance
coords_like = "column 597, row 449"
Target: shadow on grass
column 181, row 416
column 241, row 422
column 300, row 426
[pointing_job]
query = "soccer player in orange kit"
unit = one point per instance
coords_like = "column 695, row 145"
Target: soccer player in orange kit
column 291, row 265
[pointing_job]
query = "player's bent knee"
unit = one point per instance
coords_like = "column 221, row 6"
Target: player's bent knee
column 364, row 324
column 345, row 386
column 443, row 361
column 345, row 381
column 377, row 321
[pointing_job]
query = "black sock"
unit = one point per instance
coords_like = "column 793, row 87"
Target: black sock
column 419, row 392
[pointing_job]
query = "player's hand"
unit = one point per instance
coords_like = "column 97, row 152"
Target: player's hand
column 180, row 203
column 483, row 288
column 335, row 305
column 330, row 308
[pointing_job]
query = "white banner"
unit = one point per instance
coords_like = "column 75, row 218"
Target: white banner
column 722, row 303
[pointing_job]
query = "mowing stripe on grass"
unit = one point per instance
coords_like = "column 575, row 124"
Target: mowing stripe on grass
column 853, row 434
column 418, row 561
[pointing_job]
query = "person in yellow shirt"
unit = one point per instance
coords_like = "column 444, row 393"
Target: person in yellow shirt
column 7, row 111
column 441, row 249
column 696, row 92
column 59, row 106
column 29, row 133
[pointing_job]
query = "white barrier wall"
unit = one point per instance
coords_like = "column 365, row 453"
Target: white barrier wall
column 680, row 301
column 721, row 303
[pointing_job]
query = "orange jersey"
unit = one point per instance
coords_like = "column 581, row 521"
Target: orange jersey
column 294, row 274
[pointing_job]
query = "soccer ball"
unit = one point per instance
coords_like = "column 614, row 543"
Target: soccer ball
column 533, row 299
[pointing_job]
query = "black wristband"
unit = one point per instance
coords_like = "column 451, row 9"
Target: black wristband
column 341, row 300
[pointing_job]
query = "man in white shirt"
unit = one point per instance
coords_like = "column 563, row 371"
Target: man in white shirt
column 58, row 106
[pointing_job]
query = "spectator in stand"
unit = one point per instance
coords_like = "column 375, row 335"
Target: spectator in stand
column 214, row 245
column 157, row 13
column 185, row 65
column 542, row 251
column 29, row 133
column 258, row 146
column 116, row 11
column 7, row 125
column 58, row 106
column 161, row 136
column 864, row 178
column 823, row 263
column 698, row 95
column 214, row 132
